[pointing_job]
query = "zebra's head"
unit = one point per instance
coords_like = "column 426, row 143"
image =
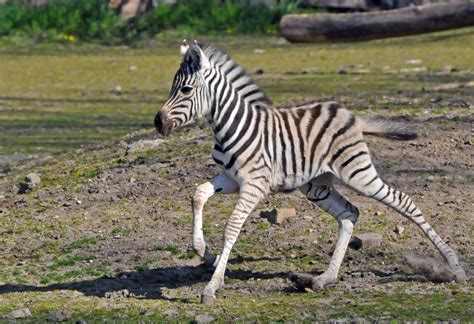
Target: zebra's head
column 189, row 97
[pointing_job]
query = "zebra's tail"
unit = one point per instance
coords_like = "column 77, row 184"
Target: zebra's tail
column 388, row 129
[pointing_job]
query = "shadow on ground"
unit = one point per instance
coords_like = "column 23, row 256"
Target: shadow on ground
column 142, row 284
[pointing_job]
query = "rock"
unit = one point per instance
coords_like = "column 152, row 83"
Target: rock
column 258, row 51
column 18, row 313
column 399, row 229
column 203, row 318
column 259, row 71
column 448, row 69
column 157, row 166
column 132, row 68
column 119, row 294
column 365, row 240
column 278, row 216
column 31, row 181
column 171, row 312
column 59, row 316
column 414, row 70
column 342, row 71
column 143, row 145
column 414, row 62
column 118, row 90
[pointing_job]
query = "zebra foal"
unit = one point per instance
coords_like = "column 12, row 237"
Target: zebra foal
column 264, row 150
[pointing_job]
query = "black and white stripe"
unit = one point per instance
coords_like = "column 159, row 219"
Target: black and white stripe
column 265, row 149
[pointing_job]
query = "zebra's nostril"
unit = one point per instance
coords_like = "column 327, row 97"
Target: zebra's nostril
column 162, row 123
column 159, row 121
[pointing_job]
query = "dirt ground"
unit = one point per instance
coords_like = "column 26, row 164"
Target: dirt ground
column 106, row 235
column 130, row 225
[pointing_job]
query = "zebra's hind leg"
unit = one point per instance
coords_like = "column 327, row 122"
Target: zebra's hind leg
column 322, row 192
column 367, row 182
column 220, row 184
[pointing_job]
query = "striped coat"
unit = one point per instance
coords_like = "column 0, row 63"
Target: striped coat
column 264, row 149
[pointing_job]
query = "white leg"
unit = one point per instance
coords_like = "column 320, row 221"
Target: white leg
column 221, row 184
column 321, row 192
column 248, row 199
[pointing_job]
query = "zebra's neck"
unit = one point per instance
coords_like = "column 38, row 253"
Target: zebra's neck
column 235, row 98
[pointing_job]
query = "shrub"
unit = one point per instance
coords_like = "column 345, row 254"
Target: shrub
column 93, row 20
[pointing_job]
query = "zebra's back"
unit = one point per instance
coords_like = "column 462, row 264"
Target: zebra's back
column 300, row 141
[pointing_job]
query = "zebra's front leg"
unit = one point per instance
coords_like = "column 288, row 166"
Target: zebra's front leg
column 323, row 194
column 249, row 197
column 221, row 184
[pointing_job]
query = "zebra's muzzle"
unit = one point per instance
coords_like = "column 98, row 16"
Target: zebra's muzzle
column 163, row 124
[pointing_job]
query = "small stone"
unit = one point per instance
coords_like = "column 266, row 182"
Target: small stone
column 414, row 70
column 356, row 274
column 33, row 179
column 171, row 312
column 414, row 61
column 448, row 69
column 258, row 51
column 259, row 71
column 132, row 68
column 278, row 216
column 18, row 313
column 203, row 318
column 119, row 294
column 118, row 90
column 366, row 240
column 342, row 71
column 157, row 166
column 399, row 230
column 59, row 316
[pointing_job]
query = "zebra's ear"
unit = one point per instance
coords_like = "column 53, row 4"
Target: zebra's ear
column 184, row 48
column 194, row 55
column 205, row 64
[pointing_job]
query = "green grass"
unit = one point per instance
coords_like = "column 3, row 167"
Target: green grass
column 82, row 243
column 65, row 98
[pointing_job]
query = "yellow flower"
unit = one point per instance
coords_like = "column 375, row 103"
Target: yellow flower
column 69, row 38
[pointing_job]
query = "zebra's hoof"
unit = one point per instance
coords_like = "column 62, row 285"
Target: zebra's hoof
column 460, row 276
column 208, row 299
column 302, row 281
column 211, row 260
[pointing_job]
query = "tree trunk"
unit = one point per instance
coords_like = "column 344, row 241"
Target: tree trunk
column 379, row 24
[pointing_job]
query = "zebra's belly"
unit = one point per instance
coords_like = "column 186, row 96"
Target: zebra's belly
column 218, row 157
column 289, row 183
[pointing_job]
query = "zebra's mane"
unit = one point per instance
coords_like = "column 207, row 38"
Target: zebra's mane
column 218, row 58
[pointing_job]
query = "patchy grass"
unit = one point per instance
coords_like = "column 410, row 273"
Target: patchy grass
column 102, row 221
column 67, row 98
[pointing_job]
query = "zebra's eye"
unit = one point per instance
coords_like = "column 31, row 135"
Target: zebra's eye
column 186, row 89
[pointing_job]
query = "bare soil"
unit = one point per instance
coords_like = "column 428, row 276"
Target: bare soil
column 137, row 211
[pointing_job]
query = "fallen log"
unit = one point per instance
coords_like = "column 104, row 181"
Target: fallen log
column 306, row 28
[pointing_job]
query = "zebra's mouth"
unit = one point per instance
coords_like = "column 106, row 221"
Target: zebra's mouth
column 162, row 124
